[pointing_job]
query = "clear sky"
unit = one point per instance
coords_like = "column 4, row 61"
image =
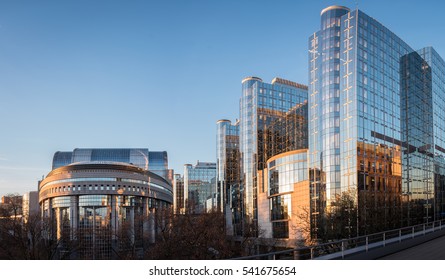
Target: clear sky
column 154, row 74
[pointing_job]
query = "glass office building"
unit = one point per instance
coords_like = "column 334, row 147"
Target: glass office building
column 288, row 133
column 178, row 194
column 422, row 114
column 156, row 161
column 199, row 187
column 283, row 214
column 283, row 207
column 227, row 176
column 260, row 105
column 375, row 124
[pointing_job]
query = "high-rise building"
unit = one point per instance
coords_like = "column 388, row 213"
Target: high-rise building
column 199, row 186
column 284, row 206
column 422, row 89
column 178, row 194
column 371, row 127
column 228, row 175
column 261, row 104
column 375, row 126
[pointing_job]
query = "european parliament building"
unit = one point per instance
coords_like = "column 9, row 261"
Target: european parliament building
column 105, row 203
column 376, row 125
column 365, row 150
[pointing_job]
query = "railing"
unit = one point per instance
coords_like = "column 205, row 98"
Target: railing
column 342, row 248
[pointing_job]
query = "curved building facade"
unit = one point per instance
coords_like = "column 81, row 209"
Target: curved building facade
column 286, row 201
column 155, row 161
column 99, row 210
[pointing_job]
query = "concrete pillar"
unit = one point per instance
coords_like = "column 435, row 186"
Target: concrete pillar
column 49, row 219
column 59, row 223
column 50, row 210
column 74, row 216
column 114, row 217
column 132, row 224
column 145, row 219
column 152, row 225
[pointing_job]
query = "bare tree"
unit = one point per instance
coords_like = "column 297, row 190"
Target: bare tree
column 13, row 205
column 190, row 236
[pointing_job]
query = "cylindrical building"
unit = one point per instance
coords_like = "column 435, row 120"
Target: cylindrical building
column 101, row 210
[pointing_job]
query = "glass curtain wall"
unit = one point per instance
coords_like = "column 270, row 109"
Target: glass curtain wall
column 260, row 105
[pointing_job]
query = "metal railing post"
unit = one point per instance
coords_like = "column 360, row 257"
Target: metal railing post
column 342, row 249
column 440, row 224
column 423, row 229
column 384, row 239
column 367, row 243
column 413, row 231
column 400, row 235
column 312, row 253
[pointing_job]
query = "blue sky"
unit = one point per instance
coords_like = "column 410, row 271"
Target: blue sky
column 155, row 74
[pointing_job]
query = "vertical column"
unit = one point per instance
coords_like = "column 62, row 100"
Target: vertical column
column 74, row 216
column 50, row 219
column 151, row 225
column 145, row 217
column 59, row 223
column 93, row 232
column 114, row 222
column 113, row 218
column 132, row 224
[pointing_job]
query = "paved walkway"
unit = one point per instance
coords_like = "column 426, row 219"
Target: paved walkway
column 431, row 250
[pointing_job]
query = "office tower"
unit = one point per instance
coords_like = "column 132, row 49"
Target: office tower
column 369, row 123
column 199, row 186
column 423, row 133
column 260, row 105
column 228, row 175
column 178, row 194
column 283, row 208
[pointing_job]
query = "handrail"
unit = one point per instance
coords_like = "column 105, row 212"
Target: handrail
column 344, row 247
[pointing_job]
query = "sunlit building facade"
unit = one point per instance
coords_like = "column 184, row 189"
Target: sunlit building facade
column 423, row 118
column 283, row 210
column 288, row 132
column 102, row 210
column 375, row 124
column 260, row 105
column 199, row 186
column 105, row 203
